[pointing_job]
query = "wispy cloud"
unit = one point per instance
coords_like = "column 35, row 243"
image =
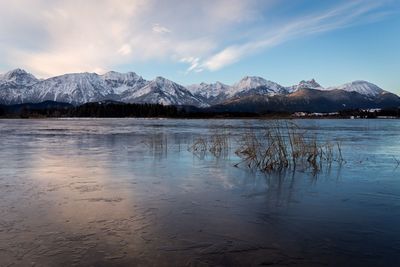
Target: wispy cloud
column 338, row 17
column 193, row 62
column 160, row 29
column 51, row 37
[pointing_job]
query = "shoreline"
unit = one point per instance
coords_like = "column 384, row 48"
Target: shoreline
column 206, row 118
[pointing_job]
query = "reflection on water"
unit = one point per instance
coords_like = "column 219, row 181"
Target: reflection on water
column 128, row 192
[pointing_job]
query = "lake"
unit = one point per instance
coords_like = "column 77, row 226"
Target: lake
column 129, row 192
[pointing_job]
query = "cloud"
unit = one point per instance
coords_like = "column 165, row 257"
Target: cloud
column 51, row 37
column 125, row 50
column 343, row 16
column 75, row 36
column 160, row 29
column 54, row 37
column 194, row 64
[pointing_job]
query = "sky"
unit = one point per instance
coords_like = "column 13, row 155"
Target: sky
column 192, row 41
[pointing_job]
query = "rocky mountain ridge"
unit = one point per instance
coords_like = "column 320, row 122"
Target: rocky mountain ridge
column 18, row 86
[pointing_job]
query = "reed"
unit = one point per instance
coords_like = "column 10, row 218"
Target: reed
column 281, row 145
column 284, row 145
column 218, row 144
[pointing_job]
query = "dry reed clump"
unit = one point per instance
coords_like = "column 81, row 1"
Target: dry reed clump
column 218, row 144
column 283, row 145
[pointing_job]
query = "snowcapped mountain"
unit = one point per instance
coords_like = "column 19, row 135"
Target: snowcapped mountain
column 208, row 89
column 361, row 87
column 308, row 100
column 75, row 88
column 212, row 93
column 18, row 86
column 162, row 91
column 18, row 77
column 217, row 93
column 311, row 84
column 14, row 84
column 255, row 85
column 121, row 82
column 11, row 94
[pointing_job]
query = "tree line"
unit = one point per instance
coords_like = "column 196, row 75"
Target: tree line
column 100, row 110
column 50, row 109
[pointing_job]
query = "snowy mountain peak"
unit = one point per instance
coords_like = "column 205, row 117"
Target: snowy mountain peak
column 208, row 91
column 17, row 71
column 309, row 84
column 163, row 83
column 249, row 82
column 218, row 92
column 18, row 77
column 256, row 85
column 117, row 76
column 361, row 87
column 163, row 91
column 220, row 85
column 121, row 82
column 18, row 86
column 75, row 88
column 160, row 79
column 76, row 77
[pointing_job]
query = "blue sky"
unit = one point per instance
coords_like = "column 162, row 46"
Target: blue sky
column 194, row 41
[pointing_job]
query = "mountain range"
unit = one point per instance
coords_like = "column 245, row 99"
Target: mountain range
column 250, row 94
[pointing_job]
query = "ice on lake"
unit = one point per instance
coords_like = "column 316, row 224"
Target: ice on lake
column 127, row 192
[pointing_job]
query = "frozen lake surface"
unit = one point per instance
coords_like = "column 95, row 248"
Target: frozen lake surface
column 127, row 192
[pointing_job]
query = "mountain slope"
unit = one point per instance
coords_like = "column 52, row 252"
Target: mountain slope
column 309, row 100
column 250, row 93
column 76, row 88
column 362, row 87
column 13, row 85
column 311, row 84
column 255, row 85
column 162, row 91
column 19, row 86
column 18, row 77
column 212, row 94
column 121, row 82
column 216, row 93
column 11, row 93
